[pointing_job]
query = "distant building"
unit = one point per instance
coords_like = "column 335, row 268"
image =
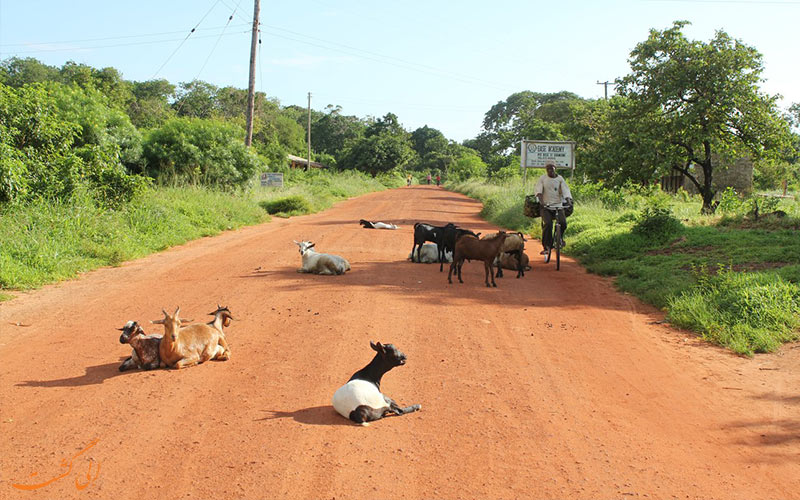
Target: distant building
column 297, row 162
column 739, row 176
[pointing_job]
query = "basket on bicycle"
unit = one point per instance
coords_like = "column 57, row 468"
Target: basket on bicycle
column 532, row 207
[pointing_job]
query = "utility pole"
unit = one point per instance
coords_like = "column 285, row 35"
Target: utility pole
column 605, row 85
column 251, row 88
column 308, row 165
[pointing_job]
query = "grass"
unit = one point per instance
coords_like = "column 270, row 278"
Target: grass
column 678, row 260
column 49, row 241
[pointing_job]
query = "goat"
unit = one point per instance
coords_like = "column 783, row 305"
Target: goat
column 514, row 246
column 426, row 232
column 510, row 261
column 320, row 263
column 145, row 348
column 190, row 345
column 376, row 225
column 360, row 399
column 449, row 238
column 428, row 253
column 470, row 247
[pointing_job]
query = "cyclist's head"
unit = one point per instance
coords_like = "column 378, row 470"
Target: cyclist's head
column 551, row 169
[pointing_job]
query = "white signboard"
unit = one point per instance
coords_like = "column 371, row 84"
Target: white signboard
column 272, row 179
column 536, row 154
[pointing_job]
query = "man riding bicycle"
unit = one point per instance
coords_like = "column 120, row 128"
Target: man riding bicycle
column 551, row 189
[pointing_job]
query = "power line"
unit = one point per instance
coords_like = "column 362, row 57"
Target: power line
column 184, row 40
column 230, row 18
column 400, row 63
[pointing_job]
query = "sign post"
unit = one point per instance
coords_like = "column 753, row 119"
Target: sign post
column 537, row 154
column 272, row 179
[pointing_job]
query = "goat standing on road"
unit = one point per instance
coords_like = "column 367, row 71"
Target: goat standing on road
column 360, row 399
column 469, row 247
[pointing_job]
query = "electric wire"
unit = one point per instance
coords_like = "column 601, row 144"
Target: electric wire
column 184, row 40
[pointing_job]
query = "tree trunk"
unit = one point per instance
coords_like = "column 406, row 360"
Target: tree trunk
column 707, row 192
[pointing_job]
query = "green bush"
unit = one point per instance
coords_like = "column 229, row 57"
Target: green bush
column 747, row 312
column 657, row 223
column 291, row 205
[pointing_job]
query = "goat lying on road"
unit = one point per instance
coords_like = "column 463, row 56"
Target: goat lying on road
column 428, row 253
column 186, row 346
column 320, row 263
column 145, row 348
column 376, row 225
column 360, row 399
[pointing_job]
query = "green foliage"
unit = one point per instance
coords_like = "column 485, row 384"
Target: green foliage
column 747, row 312
column 384, row 146
column 199, row 152
column 467, row 166
column 291, row 205
column 658, row 270
column 45, row 241
column 38, row 153
column 692, row 100
column 656, row 223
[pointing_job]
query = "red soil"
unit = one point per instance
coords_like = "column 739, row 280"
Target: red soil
column 549, row 386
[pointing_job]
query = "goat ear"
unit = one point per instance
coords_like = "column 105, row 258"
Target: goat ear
column 157, row 321
column 310, row 246
column 184, row 321
column 376, row 347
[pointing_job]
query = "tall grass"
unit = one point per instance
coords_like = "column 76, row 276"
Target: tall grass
column 653, row 243
column 49, row 241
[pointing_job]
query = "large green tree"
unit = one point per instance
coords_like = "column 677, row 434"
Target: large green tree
column 384, row 146
column 700, row 103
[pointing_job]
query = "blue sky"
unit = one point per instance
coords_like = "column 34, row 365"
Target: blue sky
column 435, row 63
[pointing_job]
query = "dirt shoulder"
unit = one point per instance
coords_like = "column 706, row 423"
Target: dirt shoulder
column 549, row 386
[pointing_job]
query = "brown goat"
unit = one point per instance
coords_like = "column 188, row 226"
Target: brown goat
column 145, row 348
column 470, row 247
column 186, row 346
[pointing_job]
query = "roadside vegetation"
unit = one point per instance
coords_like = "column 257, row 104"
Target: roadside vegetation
column 96, row 170
column 730, row 277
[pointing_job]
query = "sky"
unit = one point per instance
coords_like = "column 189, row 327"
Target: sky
column 430, row 62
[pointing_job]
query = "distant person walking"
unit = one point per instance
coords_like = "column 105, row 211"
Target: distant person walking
column 438, row 179
column 429, row 179
column 408, row 180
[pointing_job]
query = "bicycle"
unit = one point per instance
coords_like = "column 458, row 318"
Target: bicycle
column 558, row 240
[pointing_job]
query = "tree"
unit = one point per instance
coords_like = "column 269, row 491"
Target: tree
column 16, row 72
column 150, row 105
column 384, row 146
column 331, row 132
column 196, row 99
column 702, row 101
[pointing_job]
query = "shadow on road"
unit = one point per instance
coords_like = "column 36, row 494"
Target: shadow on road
column 316, row 415
column 94, row 375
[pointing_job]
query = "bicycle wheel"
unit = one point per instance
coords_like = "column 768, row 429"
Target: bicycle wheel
column 557, row 245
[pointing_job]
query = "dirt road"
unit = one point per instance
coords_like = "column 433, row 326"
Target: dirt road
column 551, row 386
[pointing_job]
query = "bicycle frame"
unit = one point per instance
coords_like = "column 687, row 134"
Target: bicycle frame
column 556, row 233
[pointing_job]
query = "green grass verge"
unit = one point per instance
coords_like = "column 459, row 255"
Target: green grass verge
column 46, row 241
column 680, row 262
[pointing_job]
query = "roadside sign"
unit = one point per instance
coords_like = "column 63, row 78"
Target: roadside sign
column 272, row 179
column 536, row 154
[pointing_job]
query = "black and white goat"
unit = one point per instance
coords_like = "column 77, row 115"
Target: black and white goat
column 426, row 232
column 360, row 399
column 377, row 225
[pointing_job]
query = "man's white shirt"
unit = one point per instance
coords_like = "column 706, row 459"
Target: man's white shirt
column 553, row 190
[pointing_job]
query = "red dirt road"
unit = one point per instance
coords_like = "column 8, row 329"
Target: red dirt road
column 552, row 386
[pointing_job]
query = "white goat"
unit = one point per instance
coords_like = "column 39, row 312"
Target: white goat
column 428, row 253
column 320, row 263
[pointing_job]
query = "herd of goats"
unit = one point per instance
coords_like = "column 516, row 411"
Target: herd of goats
column 187, row 344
